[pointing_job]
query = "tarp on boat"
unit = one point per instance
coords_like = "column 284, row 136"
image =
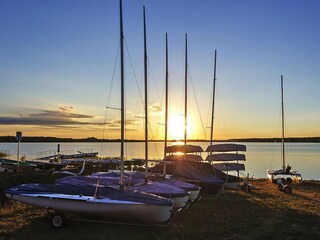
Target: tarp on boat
column 161, row 189
column 104, row 181
column 136, row 181
column 180, row 184
column 182, row 157
column 182, row 148
column 194, row 170
column 226, row 147
column 226, row 157
column 87, row 190
column 229, row 166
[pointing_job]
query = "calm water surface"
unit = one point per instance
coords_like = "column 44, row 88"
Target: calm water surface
column 259, row 156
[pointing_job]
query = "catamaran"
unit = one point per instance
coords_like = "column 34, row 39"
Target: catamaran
column 285, row 174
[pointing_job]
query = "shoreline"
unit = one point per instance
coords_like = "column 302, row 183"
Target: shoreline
column 9, row 139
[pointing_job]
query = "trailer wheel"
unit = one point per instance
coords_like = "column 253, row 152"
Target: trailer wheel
column 246, row 187
column 287, row 189
column 58, row 220
column 280, row 187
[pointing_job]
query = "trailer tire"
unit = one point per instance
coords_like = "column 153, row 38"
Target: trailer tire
column 287, row 189
column 58, row 220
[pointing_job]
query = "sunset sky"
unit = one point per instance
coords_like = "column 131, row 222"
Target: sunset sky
column 59, row 67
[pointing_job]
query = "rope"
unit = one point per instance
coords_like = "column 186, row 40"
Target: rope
column 108, row 100
column 198, row 108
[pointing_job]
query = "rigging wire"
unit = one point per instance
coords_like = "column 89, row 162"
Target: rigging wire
column 155, row 146
column 135, row 77
column 159, row 98
column 155, row 82
column 222, row 117
column 276, row 134
column 197, row 103
column 108, row 98
column 134, row 73
column 289, row 147
column 208, row 122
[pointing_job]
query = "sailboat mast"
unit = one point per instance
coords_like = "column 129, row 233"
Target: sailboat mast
column 186, row 98
column 282, row 116
column 122, row 99
column 166, row 112
column 213, row 99
column 145, row 91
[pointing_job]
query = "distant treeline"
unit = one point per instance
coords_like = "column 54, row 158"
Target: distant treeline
column 93, row 139
column 290, row 139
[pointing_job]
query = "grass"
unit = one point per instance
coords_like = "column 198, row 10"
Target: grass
column 3, row 154
column 265, row 213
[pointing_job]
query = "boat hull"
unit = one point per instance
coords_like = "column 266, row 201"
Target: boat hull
column 277, row 176
column 98, row 207
column 194, row 195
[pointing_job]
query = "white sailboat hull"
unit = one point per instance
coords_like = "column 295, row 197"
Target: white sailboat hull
column 276, row 175
column 180, row 202
column 98, row 207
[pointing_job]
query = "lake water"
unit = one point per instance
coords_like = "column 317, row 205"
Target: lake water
column 259, row 156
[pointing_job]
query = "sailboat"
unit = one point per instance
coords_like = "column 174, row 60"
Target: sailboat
column 194, row 190
column 141, row 182
column 94, row 200
column 185, row 164
column 285, row 174
column 226, row 156
column 178, row 195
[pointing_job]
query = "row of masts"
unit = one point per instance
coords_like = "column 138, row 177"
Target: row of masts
column 146, row 96
column 166, row 100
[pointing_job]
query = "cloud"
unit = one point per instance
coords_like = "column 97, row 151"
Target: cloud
column 117, row 123
column 60, row 117
column 66, row 108
column 64, row 118
column 156, row 109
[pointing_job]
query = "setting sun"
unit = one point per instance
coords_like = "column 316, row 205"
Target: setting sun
column 176, row 126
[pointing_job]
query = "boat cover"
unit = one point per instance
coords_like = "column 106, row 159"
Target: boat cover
column 229, row 166
column 226, row 157
column 116, row 173
column 188, row 157
column 105, row 181
column 195, row 171
column 89, row 190
column 135, row 175
column 161, row 189
column 138, row 184
column 181, row 148
column 226, row 147
column 206, row 169
column 180, row 184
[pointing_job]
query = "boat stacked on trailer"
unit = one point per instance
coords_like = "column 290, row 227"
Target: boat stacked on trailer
column 225, row 160
column 185, row 163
